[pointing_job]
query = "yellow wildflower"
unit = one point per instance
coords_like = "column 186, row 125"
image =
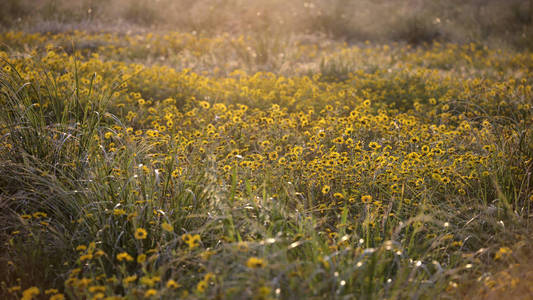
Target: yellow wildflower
column 255, row 263
column 150, row 293
column 326, row 189
column 140, row 234
column 167, row 227
column 124, row 256
column 30, row 293
column 171, row 284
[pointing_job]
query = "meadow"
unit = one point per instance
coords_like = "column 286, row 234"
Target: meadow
column 166, row 164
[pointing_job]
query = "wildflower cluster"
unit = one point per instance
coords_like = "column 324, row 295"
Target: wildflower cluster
column 169, row 181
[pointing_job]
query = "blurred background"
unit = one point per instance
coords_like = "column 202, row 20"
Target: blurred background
column 505, row 22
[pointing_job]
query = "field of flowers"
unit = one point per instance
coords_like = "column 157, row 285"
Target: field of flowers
column 167, row 165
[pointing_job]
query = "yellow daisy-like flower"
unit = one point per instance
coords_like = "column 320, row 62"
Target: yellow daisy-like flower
column 191, row 240
column 273, row 155
column 13, row 289
column 297, row 150
column 255, row 263
column 30, row 293
column 263, row 292
column 338, row 140
column 242, row 246
column 85, row 257
column 119, row 212
column 57, row 297
column 167, row 227
column 339, row 196
column 141, row 258
column 326, row 189
column 97, row 288
column 204, row 104
column 366, row 199
column 175, row 173
column 124, row 256
column 171, row 284
column 39, row 214
column 81, row 248
column 502, row 252
column 140, row 234
column 51, row 291
column 374, row 145
column 202, row 285
column 129, row 279
column 150, row 293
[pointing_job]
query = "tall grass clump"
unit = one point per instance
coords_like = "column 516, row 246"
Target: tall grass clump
column 43, row 167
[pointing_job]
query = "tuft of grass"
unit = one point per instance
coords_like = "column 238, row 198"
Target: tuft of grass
column 44, row 170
